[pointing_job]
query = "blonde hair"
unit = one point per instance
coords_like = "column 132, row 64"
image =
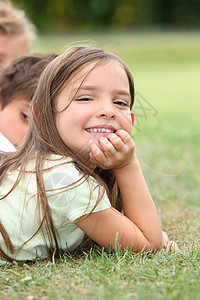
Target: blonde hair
column 43, row 137
column 14, row 22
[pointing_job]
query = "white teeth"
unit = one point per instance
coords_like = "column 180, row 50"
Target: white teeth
column 99, row 130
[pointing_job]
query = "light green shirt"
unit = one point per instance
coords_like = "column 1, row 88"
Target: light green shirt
column 67, row 199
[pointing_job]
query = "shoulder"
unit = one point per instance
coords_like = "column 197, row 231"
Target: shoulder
column 54, row 161
column 5, row 144
column 61, row 172
column 60, row 167
column 66, row 187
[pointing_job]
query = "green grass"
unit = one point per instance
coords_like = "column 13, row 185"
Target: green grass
column 100, row 275
column 166, row 69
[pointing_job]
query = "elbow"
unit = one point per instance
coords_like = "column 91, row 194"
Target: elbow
column 145, row 246
column 155, row 245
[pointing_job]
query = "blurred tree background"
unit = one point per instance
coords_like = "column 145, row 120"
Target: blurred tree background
column 70, row 15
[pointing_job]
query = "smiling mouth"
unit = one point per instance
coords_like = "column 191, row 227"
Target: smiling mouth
column 100, row 130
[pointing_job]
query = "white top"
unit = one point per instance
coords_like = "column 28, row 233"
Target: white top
column 67, row 199
column 5, row 144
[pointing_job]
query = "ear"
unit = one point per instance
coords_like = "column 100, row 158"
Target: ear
column 35, row 110
column 132, row 118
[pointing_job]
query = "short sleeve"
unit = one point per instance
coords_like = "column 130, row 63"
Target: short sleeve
column 71, row 196
column 84, row 200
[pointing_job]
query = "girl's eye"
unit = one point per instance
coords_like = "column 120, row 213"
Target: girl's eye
column 25, row 117
column 121, row 103
column 84, row 99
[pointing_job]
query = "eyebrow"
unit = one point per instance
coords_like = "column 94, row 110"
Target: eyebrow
column 92, row 88
column 26, row 105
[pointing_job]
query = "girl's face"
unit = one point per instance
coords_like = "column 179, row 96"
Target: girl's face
column 101, row 104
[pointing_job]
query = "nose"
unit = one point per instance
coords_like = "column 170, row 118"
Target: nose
column 107, row 110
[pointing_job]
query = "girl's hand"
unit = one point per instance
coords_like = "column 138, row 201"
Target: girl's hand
column 169, row 245
column 114, row 151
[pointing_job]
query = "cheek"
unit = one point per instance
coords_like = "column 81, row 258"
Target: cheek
column 80, row 117
column 16, row 133
column 20, row 129
column 130, row 128
column 64, row 124
column 58, row 122
column 127, row 122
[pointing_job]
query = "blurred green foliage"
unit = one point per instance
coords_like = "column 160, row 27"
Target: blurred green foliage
column 63, row 15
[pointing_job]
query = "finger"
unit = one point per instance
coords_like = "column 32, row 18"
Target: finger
column 116, row 141
column 129, row 145
column 171, row 246
column 96, row 153
column 107, row 146
column 92, row 159
column 174, row 246
column 124, row 135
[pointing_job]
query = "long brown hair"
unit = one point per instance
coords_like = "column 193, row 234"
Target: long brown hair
column 43, row 138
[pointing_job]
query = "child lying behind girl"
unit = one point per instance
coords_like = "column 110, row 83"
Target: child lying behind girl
column 18, row 83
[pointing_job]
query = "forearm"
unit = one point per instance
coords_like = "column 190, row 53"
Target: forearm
column 138, row 205
column 119, row 155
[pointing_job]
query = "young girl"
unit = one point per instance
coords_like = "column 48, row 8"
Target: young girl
column 77, row 169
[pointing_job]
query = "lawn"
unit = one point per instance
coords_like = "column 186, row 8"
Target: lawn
column 166, row 70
